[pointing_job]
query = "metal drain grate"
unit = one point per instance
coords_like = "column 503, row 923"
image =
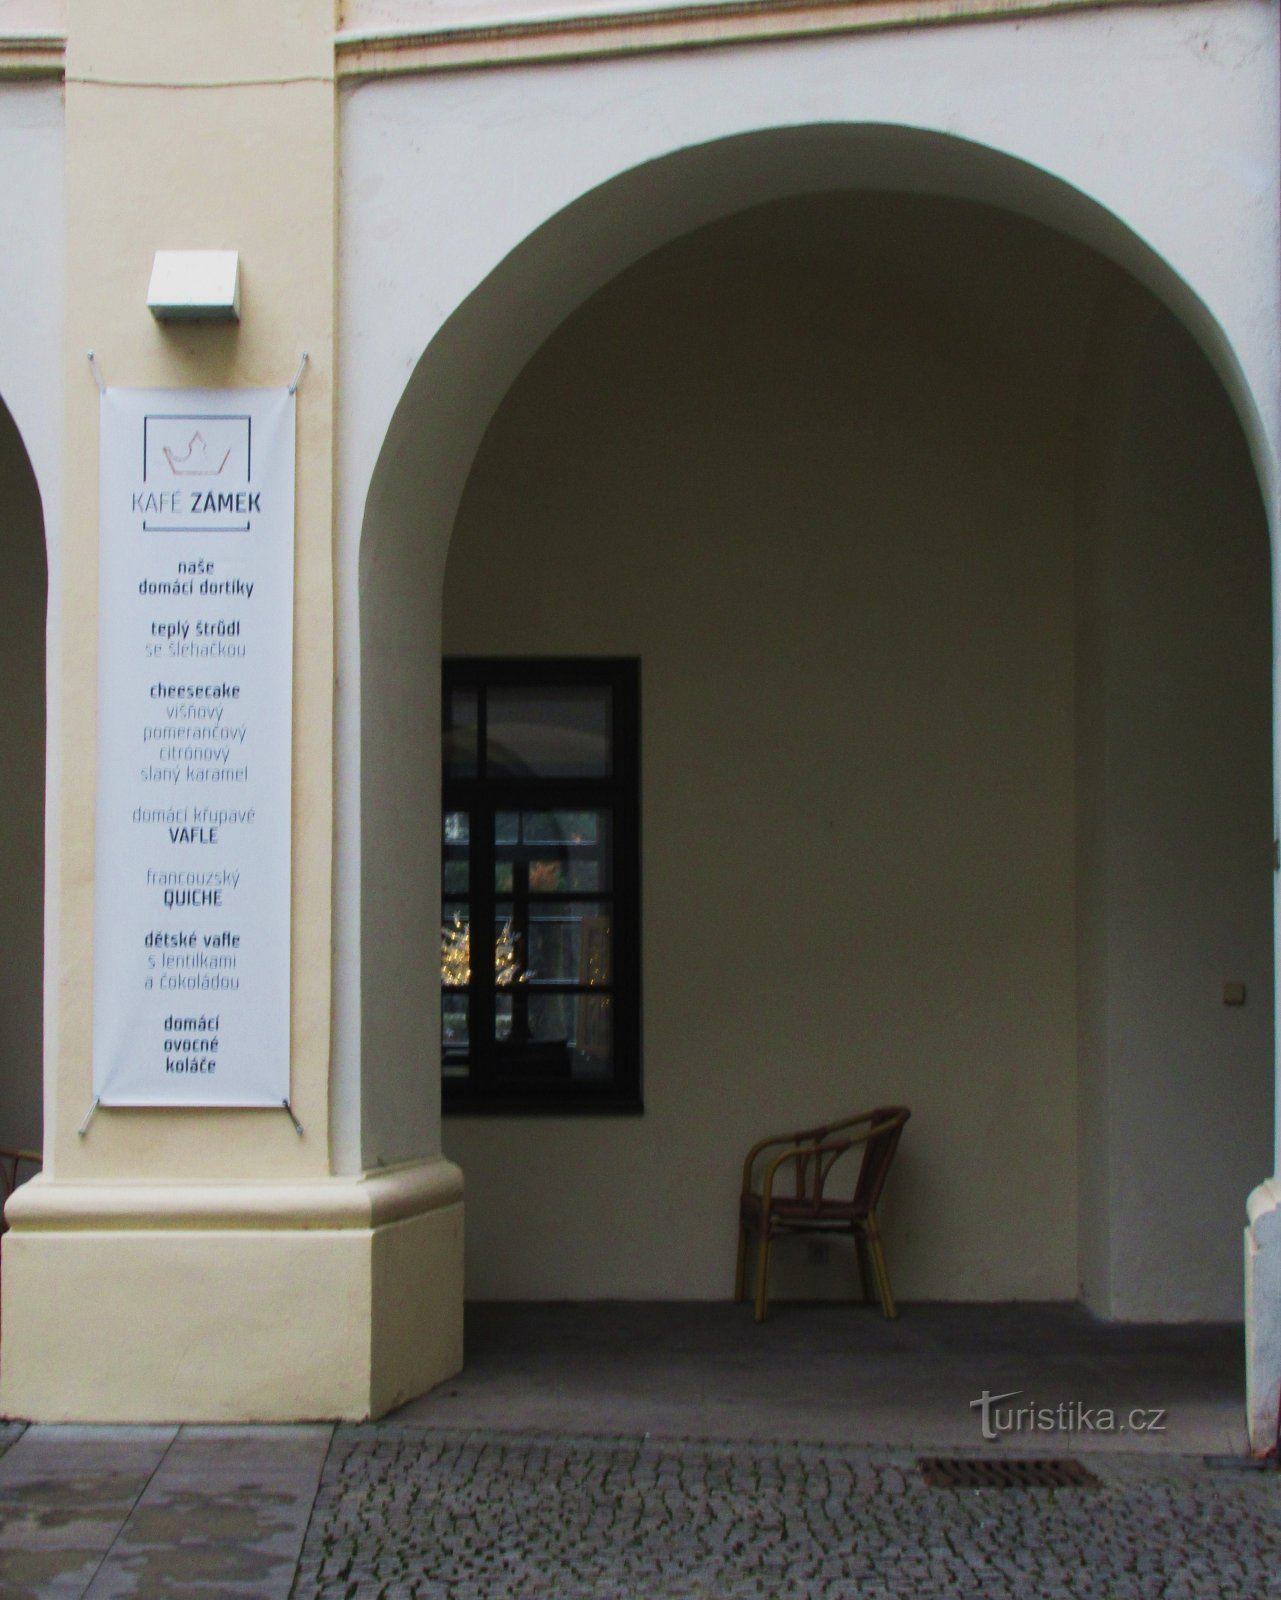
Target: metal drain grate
column 1003, row 1472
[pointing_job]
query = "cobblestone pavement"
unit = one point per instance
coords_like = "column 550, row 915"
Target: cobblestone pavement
column 469, row 1515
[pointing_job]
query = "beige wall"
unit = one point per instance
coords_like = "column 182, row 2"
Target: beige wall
column 824, row 493
column 22, row 624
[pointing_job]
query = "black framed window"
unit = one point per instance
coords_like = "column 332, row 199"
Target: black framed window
column 541, row 873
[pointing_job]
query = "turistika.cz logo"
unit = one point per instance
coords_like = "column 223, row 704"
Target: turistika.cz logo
column 1069, row 1416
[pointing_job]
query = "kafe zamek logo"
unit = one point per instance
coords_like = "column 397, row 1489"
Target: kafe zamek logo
column 197, row 473
column 197, row 460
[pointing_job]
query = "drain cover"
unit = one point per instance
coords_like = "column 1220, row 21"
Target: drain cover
column 1004, row 1472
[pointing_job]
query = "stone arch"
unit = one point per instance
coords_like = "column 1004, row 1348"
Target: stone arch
column 437, row 428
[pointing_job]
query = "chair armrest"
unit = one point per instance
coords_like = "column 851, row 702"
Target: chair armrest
column 762, row 1145
column 802, row 1136
column 804, row 1153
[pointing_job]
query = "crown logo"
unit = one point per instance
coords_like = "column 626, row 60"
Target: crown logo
column 199, row 461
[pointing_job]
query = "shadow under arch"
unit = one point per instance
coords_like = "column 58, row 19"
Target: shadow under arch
column 436, row 430
column 22, row 670
column 473, row 359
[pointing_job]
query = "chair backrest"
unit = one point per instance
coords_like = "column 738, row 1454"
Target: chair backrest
column 878, row 1154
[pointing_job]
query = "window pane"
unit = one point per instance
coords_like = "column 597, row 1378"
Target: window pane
column 509, row 954
column 456, row 874
column 576, row 828
column 503, row 1016
column 564, row 875
column 550, row 733
column 570, row 944
column 594, row 1036
column 461, row 732
column 552, row 852
column 453, row 1021
column 455, row 949
column 587, row 874
column 583, row 1023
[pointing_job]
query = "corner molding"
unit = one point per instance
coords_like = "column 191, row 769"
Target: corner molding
column 613, row 30
column 575, row 35
column 373, row 1200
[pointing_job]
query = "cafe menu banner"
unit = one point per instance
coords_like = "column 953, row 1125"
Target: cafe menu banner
column 195, row 673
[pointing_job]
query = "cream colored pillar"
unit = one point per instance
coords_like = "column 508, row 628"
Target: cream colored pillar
column 211, row 1265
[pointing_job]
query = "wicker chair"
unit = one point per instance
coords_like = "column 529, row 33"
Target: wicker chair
column 804, row 1205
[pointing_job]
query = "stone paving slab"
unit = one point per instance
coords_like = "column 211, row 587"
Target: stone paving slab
column 155, row 1513
column 223, row 1515
column 65, row 1493
column 468, row 1515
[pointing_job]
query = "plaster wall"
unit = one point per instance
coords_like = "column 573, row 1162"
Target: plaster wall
column 32, row 152
column 1152, row 136
column 825, row 495
column 1176, row 823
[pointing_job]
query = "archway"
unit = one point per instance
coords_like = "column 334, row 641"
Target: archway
column 410, row 516
column 839, row 510
column 22, row 659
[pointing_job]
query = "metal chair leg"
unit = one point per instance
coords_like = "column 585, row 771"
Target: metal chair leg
column 881, row 1270
column 864, row 1271
column 762, row 1275
column 740, row 1273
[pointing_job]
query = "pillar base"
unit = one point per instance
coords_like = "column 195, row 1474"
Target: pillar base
column 1263, row 1315
column 231, row 1302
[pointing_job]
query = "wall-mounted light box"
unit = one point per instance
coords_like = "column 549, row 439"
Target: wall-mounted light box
column 195, row 286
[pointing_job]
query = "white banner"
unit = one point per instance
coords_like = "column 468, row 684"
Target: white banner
column 195, row 704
